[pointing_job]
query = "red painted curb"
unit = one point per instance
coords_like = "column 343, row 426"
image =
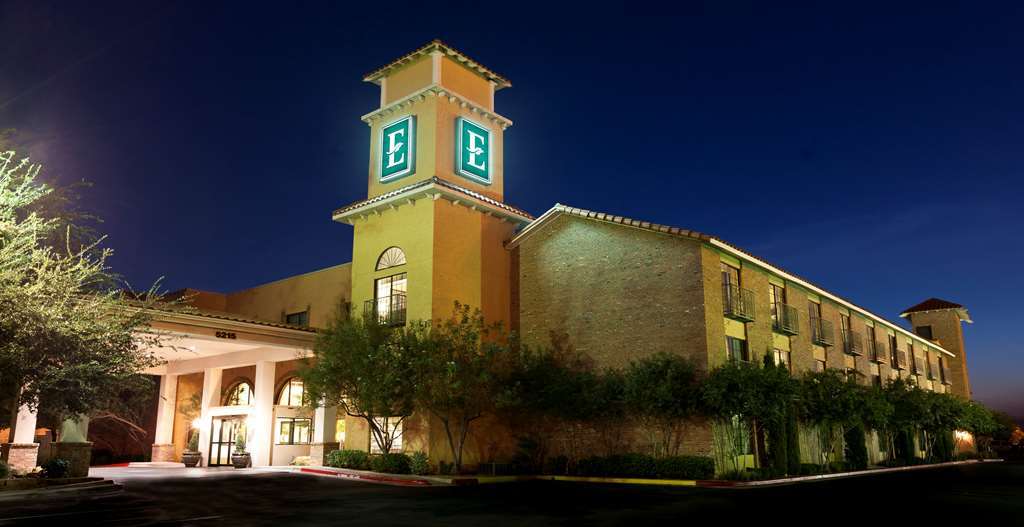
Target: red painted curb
column 115, row 465
column 368, row 477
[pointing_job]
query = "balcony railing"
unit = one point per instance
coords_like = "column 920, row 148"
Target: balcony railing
column 852, row 343
column 785, row 319
column 821, row 332
column 738, row 303
column 901, row 360
column 880, row 355
column 386, row 310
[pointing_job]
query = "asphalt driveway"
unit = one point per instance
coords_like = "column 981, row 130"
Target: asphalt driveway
column 984, row 492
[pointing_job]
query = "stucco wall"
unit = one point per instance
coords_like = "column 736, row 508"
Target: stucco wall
column 319, row 292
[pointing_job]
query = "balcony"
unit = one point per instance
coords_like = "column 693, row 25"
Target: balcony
column 879, row 352
column 821, row 332
column 852, row 343
column 738, row 303
column 785, row 319
column 386, row 310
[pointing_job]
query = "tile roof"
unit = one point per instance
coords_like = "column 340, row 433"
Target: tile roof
column 437, row 45
column 441, row 183
column 233, row 318
column 932, row 304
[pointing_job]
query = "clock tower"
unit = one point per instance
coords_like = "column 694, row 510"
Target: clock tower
column 433, row 227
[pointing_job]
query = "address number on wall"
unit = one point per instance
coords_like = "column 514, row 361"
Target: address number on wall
column 225, row 335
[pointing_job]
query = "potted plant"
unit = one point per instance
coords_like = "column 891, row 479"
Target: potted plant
column 191, row 456
column 239, row 457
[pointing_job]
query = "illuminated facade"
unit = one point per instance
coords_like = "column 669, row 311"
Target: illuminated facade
column 434, row 228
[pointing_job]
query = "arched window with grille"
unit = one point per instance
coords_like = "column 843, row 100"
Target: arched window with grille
column 391, row 257
column 291, row 393
column 240, row 394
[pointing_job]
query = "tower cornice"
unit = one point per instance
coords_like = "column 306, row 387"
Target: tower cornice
column 435, row 90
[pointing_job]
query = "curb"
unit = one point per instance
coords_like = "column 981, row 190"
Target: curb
column 372, row 477
column 838, row 475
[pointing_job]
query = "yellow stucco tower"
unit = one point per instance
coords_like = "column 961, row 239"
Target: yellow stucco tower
column 433, row 227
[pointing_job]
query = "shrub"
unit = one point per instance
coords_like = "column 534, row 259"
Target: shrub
column 356, row 459
column 557, row 465
column 56, row 468
column 193, row 442
column 856, row 451
column 944, row 446
column 644, row 466
column 419, row 463
column 302, row 461
column 5, row 470
column 391, row 463
column 792, row 442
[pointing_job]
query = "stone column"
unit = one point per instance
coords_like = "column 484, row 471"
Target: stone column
column 163, row 443
column 22, row 452
column 324, row 428
column 74, row 446
column 210, row 397
column 260, row 426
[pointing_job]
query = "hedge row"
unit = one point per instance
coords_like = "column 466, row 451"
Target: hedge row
column 645, row 466
column 359, row 460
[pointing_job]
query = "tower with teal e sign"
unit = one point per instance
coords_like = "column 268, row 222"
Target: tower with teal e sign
column 398, row 148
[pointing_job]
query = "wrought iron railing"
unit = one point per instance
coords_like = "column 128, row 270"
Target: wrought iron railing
column 738, row 303
column 822, row 333
column 785, row 319
column 852, row 343
column 386, row 310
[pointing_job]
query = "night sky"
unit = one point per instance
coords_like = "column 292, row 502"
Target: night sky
column 877, row 150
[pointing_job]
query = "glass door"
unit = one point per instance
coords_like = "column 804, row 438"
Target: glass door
column 222, row 439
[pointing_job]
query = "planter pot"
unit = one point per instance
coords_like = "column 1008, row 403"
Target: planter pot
column 191, row 459
column 243, row 460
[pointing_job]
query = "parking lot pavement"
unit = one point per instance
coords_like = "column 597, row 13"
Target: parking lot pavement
column 984, row 492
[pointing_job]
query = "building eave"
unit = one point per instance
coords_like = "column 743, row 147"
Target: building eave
column 438, row 46
column 434, row 189
column 435, row 90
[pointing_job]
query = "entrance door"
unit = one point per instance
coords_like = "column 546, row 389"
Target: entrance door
column 222, row 439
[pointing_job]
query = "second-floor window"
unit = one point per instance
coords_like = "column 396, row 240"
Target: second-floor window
column 736, row 349
column 893, row 353
column 781, row 357
column 297, row 319
column 389, row 298
column 872, row 346
column 777, row 296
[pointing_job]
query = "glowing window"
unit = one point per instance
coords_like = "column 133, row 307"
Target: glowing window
column 391, row 257
column 294, row 430
column 239, row 395
column 291, row 393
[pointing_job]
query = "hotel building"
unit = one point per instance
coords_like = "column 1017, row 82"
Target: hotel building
column 434, row 228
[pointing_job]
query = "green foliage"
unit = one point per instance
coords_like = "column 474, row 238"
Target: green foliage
column 662, row 392
column 56, row 468
column 645, row 466
column 366, row 369
column 391, row 464
column 942, row 446
column 855, row 448
column 71, row 335
column 458, row 364
column 833, row 403
column 5, row 470
column 239, row 444
column 193, row 441
column 419, row 463
column 793, row 460
column 354, row 459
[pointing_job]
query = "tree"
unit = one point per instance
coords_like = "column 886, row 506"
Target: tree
column 457, row 364
column 662, row 393
column 70, row 333
column 833, row 403
column 368, row 370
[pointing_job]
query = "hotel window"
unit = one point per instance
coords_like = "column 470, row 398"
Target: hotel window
column 871, row 345
column 240, row 394
column 388, row 423
column 894, row 361
column 781, row 357
column 913, row 358
column 389, row 299
column 294, row 430
column 844, row 327
column 736, row 349
column 777, row 297
column 291, row 393
column 924, row 331
column 297, row 319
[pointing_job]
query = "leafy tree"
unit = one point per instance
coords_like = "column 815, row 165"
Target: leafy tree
column 70, row 335
column 833, row 403
column 662, row 392
column 457, row 363
column 366, row 369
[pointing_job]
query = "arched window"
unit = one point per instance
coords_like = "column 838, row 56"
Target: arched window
column 391, row 257
column 291, row 393
column 240, row 394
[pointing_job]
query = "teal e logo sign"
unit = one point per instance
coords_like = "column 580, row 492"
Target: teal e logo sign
column 397, row 148
column 473, row 150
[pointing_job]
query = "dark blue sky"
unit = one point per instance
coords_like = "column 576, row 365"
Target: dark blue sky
column 875, row 149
